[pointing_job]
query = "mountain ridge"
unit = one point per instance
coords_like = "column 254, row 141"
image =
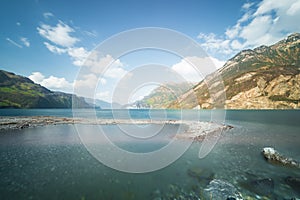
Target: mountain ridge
column 163, row 95
column 20, row 92
column 267, row 77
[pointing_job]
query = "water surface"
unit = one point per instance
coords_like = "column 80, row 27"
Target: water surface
column 51, row 162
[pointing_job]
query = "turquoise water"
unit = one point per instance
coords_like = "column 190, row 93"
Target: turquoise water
column 51, row 162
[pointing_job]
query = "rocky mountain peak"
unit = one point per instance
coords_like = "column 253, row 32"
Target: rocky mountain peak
column 262, row 49
column 267, row 77
column 293, row 37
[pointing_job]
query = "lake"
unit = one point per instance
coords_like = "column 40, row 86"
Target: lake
column 52, row 163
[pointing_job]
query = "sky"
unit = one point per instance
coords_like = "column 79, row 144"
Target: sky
column 51, row 41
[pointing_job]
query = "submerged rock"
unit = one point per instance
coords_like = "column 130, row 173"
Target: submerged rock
column 273, row 156
column 221, row 190
column 202, row 175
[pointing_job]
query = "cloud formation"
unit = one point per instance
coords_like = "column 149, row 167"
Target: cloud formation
column 25, row 41
column 60, row 41
column 47, row 15
column 83, row 85
column 59, row 34
column 54, row 49
column 93, row 63
column 78, row 55
column 263, row 23
column 194, row 69
column 52, row 82
column 14, row 43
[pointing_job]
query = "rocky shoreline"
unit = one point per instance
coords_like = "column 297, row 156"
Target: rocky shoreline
column 7, row 123
column 196, row 130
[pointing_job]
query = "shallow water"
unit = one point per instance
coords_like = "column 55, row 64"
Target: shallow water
column 51, row 162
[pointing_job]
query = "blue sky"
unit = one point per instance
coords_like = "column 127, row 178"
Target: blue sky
column 49, row 40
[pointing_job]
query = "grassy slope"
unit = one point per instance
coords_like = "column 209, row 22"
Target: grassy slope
column 20, row 92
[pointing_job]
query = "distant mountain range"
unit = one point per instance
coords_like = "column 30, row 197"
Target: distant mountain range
column 267, row 77
column 102, row 104
column 163, row 96
column 20, row 92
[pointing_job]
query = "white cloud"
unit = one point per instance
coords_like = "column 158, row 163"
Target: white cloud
column 294, row 9
column 115, row 71
column 25, row 41
column 18, row 24
column 272, row 21
column 36, row 77
column 105, row 65
column 233, row 32
column 52, row 82
column 98, row 63
column 248, row 5
column 245, row 18
column 194, row 69
column 55, row 49
column 93, row 61
column 47, row 15
column 56, row 83
column 62, row 42
column 87, row 84
column 187, row 71
column 90, row 33
column 87, row 81
column 268, row 6
column 218, row 63
column 59, row 34
column 78, row 55
column 214, row 44
column 82, row 86
column 14, row 43
column 236, row 45
column 262, row 23
column 255, row 33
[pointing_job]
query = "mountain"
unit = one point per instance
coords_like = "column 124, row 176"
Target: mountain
column 20, row 92
column 267, row 77
column 163, row 95
column 102, row 104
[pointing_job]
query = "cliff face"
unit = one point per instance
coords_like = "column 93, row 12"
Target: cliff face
column 20, row 92
column 268, row 91
column 267, row 77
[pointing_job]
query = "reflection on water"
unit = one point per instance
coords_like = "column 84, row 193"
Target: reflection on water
column 51, row 163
